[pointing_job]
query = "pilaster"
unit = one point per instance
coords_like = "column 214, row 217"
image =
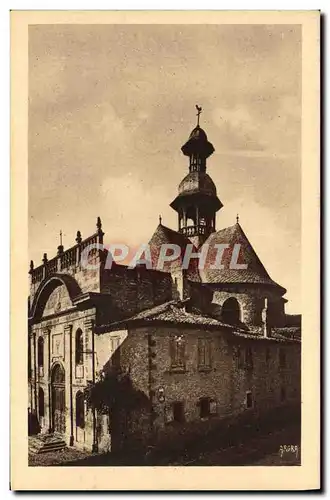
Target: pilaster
column 68, row 389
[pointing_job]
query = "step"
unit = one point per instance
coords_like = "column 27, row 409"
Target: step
column 45, row 443
column 42, row 452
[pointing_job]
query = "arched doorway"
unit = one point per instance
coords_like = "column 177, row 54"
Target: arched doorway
column 231, row 311
column 58, row 399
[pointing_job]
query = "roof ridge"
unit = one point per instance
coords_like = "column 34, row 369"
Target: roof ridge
column 253, row 250
column 256, row 271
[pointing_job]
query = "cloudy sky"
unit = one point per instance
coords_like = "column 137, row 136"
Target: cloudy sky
column 111, row 105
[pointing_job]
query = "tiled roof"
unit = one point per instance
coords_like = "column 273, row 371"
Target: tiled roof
column 174, row 312
column 288, row 332
column 164, row 235
column 255, row 272
column 273, row 336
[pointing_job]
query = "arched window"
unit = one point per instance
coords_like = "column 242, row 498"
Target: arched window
column 40, row 352
column 41, row 402
column 58, row 375
column 80, row 410
column 79, row 347
column 231, row 312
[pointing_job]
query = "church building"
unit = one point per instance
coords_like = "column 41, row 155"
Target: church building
column 180, row 347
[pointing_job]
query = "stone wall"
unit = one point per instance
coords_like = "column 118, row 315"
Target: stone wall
column 132, row 290
column 226, row 382
column 251, row 301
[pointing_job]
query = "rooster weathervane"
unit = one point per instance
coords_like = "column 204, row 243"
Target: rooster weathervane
column 199, row 110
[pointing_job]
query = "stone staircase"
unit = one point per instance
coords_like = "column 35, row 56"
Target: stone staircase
column 42, row 443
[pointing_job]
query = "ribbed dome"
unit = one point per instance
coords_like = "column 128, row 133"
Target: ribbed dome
column 197, row 182
column 198, row 133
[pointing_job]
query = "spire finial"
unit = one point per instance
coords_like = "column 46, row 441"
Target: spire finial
column 199, row 110
column 31, row 265
column 237, row 219
column 160, row 219
column 61, row 242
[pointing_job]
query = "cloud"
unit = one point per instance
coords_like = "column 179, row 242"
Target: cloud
column 238, row 128
column 131, row 209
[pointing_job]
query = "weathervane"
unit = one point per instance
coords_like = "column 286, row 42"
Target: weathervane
column 199, row 110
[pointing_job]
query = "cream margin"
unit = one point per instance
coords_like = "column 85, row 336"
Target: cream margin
column 307, row 476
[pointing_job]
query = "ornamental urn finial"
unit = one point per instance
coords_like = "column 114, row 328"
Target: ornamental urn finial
column 78, row 238
column 99, row 224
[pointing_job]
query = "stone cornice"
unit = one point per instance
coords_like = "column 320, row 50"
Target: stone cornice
column 89, row 323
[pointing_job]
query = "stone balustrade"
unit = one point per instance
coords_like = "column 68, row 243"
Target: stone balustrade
column 67, row 259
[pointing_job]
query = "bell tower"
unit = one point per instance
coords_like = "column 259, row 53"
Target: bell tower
column 197, row 201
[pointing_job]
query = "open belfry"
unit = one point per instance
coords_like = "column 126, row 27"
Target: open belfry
column 181, row 347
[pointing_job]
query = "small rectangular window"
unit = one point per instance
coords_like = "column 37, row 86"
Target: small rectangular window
column 178, row 411
column 239, row 357
column 283, row 394
column 79, row 347
column 204, row 353
column 249, row 401
column 204, row 407
column 177, row 352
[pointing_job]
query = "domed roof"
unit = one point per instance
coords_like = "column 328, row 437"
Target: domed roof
column 197, row 182
column 198, row 133
column 198, row 143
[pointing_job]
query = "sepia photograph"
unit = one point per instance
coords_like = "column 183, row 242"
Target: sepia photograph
column 164, row 244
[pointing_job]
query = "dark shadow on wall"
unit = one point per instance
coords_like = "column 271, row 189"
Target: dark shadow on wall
column 239, row 441
column 33, row 424
column 128, row 408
